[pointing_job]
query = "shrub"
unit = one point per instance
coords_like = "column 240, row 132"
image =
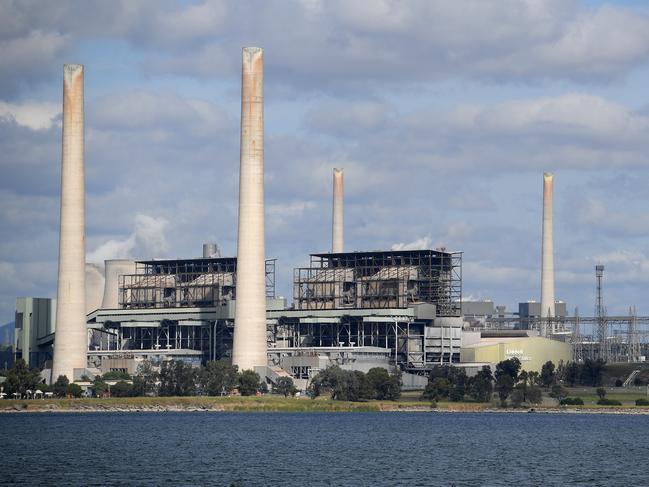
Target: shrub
column 248, row 383
column 642, row 402
column 572, row 401
column 618, row 383
column 122, row 389
column 609, row 402
column 74, row 390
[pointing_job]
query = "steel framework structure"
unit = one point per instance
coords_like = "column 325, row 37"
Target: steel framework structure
column 411, row 348
column 182, row 283
column 388, row 279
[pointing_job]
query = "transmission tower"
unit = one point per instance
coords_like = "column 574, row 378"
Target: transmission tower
column 633, row 342
column 600, row 313
column 577, row 340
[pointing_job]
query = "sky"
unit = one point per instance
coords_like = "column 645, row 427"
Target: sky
column 444, row 116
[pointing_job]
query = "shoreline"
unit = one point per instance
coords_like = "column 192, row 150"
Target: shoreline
column 279, row 405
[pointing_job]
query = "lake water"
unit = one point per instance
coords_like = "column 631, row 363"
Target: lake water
column 385, row 449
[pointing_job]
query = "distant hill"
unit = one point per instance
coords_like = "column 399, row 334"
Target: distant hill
column 7, row 333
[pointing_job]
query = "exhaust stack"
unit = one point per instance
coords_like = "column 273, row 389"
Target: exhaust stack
column 547, row 252
column 249, row 347
column 70, row 344
column 337, row 237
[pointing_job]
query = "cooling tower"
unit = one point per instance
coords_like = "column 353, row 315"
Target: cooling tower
column 337, row 239
column 113, row 269
column 547, row 252
column 94, row 286
column 249, row 347
column 70, row 343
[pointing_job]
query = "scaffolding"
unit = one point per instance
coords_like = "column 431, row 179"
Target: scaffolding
column 204, row 282
column 380, row 280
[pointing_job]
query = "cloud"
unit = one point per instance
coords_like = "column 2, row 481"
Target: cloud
column 337, row 45
column 36, row 116
column 597, row 215
column 148, row 239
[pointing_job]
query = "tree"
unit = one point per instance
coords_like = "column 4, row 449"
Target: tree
column 177, row 378
column 383, row 384
column 535, row 395
column 365, row 389
column 573, row 373
column 248, row 383
column 325, row 381
column 509, row 367
column 74, row 390
column 504, row 387
column 436, row 389
column 20, row 378
column 592, row 372
column 481, row 385
column 60, row 387
column 558, row 392
column 122, row 389
column 286, row 386
column 601, row 392
column 145, row 379
column 517, row 397
column 99, row 386
column 547, row 374
column 534, row 378
column 220, row 378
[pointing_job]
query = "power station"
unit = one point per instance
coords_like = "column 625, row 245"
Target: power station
column 398, row 309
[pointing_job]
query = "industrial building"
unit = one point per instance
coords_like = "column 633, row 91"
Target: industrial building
column 532, row 350
column 392, row 308
column 35, row 324
column 395, row 309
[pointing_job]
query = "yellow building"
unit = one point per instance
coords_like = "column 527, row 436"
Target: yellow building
column 533, row 351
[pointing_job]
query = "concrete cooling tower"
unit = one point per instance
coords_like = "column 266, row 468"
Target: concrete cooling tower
column 94, row 286
column 113, row 269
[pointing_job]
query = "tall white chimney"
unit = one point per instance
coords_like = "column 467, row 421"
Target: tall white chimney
column 337, row 238
column 249, row 347
column 70, row 341
column 547, row 252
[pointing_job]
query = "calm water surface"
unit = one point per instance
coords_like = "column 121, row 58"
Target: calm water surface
column 323, row 449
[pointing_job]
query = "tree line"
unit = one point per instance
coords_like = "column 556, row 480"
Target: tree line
column 510, row 383
column 354, row 385
column 174, row 378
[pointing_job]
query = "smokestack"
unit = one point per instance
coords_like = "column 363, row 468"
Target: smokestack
column 94, row 286
column 70, row 343
column 115, row 268
column 211, row 250
column 547, row 257
column 249, row 347
column 337, row 239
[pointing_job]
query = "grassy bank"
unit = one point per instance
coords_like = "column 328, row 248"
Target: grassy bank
column 410, row 401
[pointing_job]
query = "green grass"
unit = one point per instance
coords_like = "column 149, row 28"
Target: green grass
column 270, row 403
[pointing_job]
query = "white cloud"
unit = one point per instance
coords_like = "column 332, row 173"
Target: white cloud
column 34, row 115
